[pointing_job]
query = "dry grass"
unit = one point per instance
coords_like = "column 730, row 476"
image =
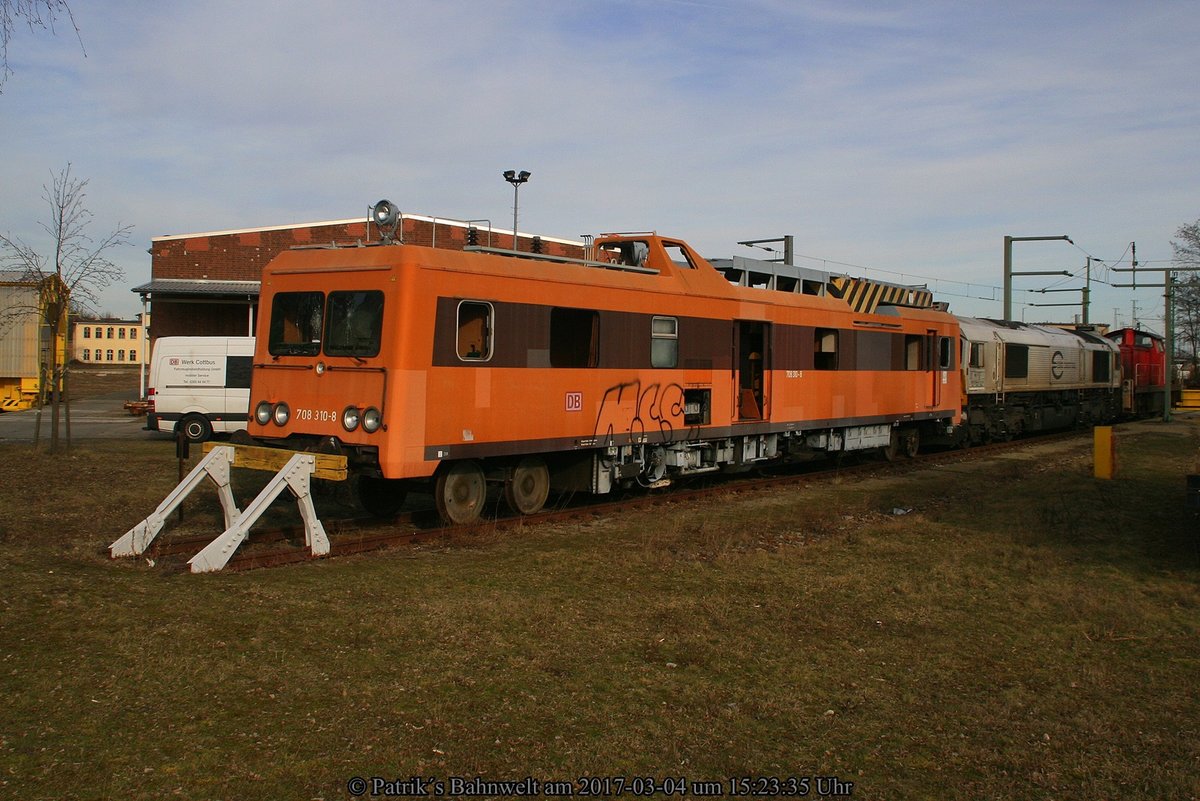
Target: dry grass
column 1024, row 632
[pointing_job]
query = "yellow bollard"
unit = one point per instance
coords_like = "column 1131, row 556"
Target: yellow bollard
column 1104, row 452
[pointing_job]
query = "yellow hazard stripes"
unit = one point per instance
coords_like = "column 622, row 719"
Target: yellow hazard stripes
column 865, row 296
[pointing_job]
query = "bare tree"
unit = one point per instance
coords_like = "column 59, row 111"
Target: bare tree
column 1187, row 292
column 35, row 14
column 71, row 279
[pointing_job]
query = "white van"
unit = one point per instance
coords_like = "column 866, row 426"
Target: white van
column 200, row 385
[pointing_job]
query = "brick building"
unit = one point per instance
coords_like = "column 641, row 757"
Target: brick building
column 206, row 284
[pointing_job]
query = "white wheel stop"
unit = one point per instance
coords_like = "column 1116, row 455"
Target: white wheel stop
column 295, row 476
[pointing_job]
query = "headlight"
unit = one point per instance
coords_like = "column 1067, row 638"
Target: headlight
column 262, row 413
column 350, row 418
column 281, row 414
column 371, row 420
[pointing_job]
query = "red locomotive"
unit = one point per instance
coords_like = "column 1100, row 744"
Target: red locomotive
column 1143, row 370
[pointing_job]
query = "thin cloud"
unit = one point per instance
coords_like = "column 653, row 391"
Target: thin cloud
column 909, row 137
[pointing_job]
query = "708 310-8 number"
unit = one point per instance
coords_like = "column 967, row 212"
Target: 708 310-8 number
column 316, row 415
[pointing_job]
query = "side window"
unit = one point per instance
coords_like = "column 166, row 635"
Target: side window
column 945, row 354
column 912, row 351
column 574, row 338
column 664, row 342
column 1016, row 361
column 825, row 349
column 237, row 372
column 475, row 331
column 976, row 354
column 678, row 256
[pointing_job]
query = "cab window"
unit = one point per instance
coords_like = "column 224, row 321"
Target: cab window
column 354, row 323
column 976, row 359
column 945, row 353
column 296, row 324
column 678, row 256
column 631, row 253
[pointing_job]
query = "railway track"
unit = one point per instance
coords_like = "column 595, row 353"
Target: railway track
column 284, row 545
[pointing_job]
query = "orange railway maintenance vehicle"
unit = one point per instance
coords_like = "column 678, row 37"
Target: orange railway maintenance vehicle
column 412, row 368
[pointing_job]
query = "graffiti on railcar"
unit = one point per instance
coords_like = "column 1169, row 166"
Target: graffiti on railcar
column 646, row 413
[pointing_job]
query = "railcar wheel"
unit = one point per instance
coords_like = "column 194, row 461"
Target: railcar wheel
column 911, row 440
column 460, row 491
column 527, row 486
column 196, row 428
column 891, row 451
column 380, row 497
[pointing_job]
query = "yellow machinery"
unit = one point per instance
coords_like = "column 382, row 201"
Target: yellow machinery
column 25, row 340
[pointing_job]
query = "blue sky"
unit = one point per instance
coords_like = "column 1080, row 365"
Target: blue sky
column 902, row 139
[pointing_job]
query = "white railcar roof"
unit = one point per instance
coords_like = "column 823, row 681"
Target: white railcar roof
column 979, row 329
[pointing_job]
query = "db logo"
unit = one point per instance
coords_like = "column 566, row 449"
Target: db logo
column 174, row 362
column 574, row 401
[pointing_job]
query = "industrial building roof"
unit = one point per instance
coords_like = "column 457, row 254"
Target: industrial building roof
column 198, row 287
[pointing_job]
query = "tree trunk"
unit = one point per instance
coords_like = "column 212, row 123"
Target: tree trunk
column 41, row 403
column 55, row 393
column 66, row 393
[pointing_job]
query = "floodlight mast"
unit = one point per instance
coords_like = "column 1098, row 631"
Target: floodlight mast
column 516, row 179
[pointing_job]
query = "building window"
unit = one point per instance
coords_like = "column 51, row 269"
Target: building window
column 121, row 353
column 133, row 333
column 120, row 333
column 664, row 342
column 87, row 354
column 110, row 332
column 475, row 331
column 133, row 355
column 110, row 358
column 87, row 333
